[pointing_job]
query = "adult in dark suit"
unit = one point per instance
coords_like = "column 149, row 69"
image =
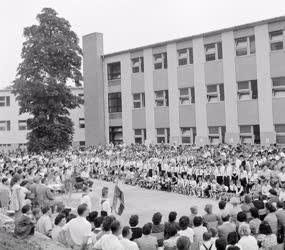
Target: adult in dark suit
column 44, row 195
column 226, row 228
column 136, row 231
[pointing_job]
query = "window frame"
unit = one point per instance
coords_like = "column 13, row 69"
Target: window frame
column 81, row 122
column 22, row 127
column 165, row 136
column 186, row 136
column 249, row 90
column 118, row 106
column 189, row 97
column 111, row 75
column 214, row 53
column 188, row 57
column 278, row 88
column 6, row 101
column 281, row 40
column 218, row 135
column 141, row 136
column 217, row 93
column 164, row 98
column 6, row 125
column 244, row 135
column 162, row 60
column 141, row 100
column 139, row 64
column 247, row 47
column 279, row 134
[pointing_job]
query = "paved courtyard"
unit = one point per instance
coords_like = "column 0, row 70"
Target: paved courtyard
column 145, row 202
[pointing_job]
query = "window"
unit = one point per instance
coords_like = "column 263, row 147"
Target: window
column 278, row 87
column 81, row 96
column 161, row 98
column 140, row 135
column 188, row 135
column 116, row 135
column 249, row 134
column 187, row 96
column 280, row 133
column 276, row 40
column 22, row 124
column 162, row 135
column 114, row 71
column 137, row 65
column 215, row 93
column 247, row 90
column 4, row 101
column 81, row 123
column 115, row 102
column 185, row 56
column 82, row 143
column 139, row 100
column 213, row 51
column 217, row 134
column 160, row 61
column 5, row 125
column 245, row 45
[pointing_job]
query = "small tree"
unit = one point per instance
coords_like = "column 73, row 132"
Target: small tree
column 51, row 56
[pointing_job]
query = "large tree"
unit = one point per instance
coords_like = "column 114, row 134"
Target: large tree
column 51, row 57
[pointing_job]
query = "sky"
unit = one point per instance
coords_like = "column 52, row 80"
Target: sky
column 127, row 23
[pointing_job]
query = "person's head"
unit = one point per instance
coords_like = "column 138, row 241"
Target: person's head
column 244, row 230
column 254, row 212
column 156, row 218
column 194, row 210
column 146, row 230
column 183, row 243
column 83, row 210
column 59, row 207
column 60, row 220
column 134, row 220
column 247, row 199
column 103, row 213
column 279, row 204
column 70, row 217
column 27, row 209
column 116, row 227
column 264, row 228
column 184, row 222
column 126, row 232
column 208, row 208
column 171, row 230
column 24, row 183
column 270, row 208
column 92, row 216
column 5, row 181
column 37, row 213
column 46, row 210
column 225, row 217
column 232, row 238
column 98, row 222
column 221, row 244
column 222, row 204
column 241, row 217
column 105, row 191
column 213, row 232
column 172, row 216
column 197, row 221
column 207, row 236
column 106, row 224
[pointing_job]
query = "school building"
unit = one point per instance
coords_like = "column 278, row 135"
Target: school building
column 13, row 127
column 222, row 86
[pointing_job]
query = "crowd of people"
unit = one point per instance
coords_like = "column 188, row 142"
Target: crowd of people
column 248, row 181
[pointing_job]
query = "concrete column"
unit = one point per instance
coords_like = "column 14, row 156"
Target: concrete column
column 230, row 87
column 267, row 133
column 127, row 99
column 173, row 93
column 200, row 92
column 94, row 89
column 149, row 96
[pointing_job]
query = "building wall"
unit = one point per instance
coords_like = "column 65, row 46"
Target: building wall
column 265, row 111
column 15, row 137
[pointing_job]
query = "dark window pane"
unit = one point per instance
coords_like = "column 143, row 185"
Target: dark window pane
column 7, row 100
column 191, row 56
column 220, row 51
column 186, row 140
column 256, row 132
column 182, row 61
column 142, row 64
column 193, row 95
column 222, row 92
column 254, row 89
column 277, row 46
column 252, row 44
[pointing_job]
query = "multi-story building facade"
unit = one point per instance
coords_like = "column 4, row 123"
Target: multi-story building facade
column 221, row 86
column 13, row 127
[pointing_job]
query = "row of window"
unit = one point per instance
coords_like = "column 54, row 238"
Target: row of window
column 246, row 90
column 213, row 51
column 22, row 125
column 248, row 134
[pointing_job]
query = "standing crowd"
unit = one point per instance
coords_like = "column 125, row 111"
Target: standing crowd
column 248, row 181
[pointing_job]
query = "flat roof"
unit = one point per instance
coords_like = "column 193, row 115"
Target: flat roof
column 210, row 33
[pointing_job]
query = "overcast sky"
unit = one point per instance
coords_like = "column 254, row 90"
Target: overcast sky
column 127, row 23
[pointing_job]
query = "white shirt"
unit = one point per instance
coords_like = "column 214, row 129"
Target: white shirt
column 105, row 206
column 248, row 243
column 79, row 229
column 109, row 242
column 188, row 232
column 86, row 199
column 44, row 225
column 129, row 245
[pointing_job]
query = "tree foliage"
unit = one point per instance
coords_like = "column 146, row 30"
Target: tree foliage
column 51, row 57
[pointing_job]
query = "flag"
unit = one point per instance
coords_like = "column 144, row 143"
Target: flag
column 118, row 196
